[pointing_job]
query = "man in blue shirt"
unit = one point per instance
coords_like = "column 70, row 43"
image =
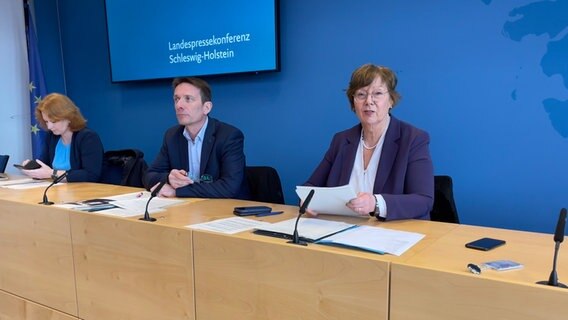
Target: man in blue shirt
column 201, row 157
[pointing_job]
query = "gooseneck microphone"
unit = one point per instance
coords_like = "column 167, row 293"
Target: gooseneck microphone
column 295, row 236
column 55, row 181
column 152, row 196
column 558, row 238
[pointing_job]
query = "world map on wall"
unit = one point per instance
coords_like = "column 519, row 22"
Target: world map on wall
column 548, row 18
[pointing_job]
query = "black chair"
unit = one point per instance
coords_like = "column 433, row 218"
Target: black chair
column 264, row 184
column 124, row 167
column 444, row 208
column 3, row 162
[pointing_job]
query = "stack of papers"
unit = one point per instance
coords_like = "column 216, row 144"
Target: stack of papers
column 126, row 205
column 308, row 229
column 329, row 200
column 375, row 239
column 228, row 225
column 372, row 239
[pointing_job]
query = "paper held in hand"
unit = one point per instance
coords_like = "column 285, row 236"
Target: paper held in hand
column 329, row 200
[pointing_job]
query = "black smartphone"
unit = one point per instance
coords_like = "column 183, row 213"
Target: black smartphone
column 485, row 244
column 251, row 210
column 31, row 165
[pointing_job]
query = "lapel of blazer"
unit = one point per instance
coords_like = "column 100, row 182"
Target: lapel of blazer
column 349, row 151
column 183, row 154
column 208, row 142
column 388, row 155
column 74, row 152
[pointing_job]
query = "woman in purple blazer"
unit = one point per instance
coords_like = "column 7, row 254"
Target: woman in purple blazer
column 385, row 160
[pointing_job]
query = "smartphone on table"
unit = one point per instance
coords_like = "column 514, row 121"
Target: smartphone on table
column 251, row 210
column 485, row 244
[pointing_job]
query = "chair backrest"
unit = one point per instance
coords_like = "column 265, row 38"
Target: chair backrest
column 3, row 162
column 125, row 167
column 444, row 208
column 264, row 184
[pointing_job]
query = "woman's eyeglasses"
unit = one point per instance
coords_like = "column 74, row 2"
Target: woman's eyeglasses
column 362, row 96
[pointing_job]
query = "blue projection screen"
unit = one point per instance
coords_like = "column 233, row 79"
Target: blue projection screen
column 151, row 39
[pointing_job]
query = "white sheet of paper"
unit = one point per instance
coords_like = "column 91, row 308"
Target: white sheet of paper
column 31, row 185
column 127, row 213
column 329, row 200
column 229, row 225
column 130, row 204
column 18, row 180
column 312, row 229
column 376, row 239
column 139, row 205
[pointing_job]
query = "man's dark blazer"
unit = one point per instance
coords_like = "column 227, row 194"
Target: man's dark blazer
column 86, row 156
column 405, row 175
column 222, row 158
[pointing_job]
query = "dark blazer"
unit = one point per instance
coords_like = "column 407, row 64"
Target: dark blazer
column 222, row 158
column 405, row 175
column 86, row 157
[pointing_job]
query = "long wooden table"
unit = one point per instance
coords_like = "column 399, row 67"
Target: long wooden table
column 63, row 264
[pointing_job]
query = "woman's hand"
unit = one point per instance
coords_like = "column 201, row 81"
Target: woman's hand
column 41, row 173
column 310, row 213
column 362, row 204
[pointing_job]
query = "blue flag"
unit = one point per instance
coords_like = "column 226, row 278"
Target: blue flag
column 36, row 85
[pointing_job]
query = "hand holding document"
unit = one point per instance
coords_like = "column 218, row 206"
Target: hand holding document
column 329, row 200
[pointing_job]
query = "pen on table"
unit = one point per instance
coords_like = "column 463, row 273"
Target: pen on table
column 264, row 214
column 140, row 194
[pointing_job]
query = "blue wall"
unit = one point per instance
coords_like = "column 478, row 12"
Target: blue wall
column 487, row 79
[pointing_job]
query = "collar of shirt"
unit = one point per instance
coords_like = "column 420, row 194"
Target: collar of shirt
column 200, row 134
column 194, row 152
column 363, row 179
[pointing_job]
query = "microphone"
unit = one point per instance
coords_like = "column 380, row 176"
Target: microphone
column 560, row 227
column 295, row 236
column 55, row 181
column 558, row 238
column 152, row 195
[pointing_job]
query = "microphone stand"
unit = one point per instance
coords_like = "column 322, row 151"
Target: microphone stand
column 152, row 195
column 295, row 236
column 55, row 181
column 558, row 238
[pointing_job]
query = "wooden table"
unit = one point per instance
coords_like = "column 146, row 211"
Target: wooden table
column 62, row 264
column 436, row 284
column 88, row 265
column 248, row 276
